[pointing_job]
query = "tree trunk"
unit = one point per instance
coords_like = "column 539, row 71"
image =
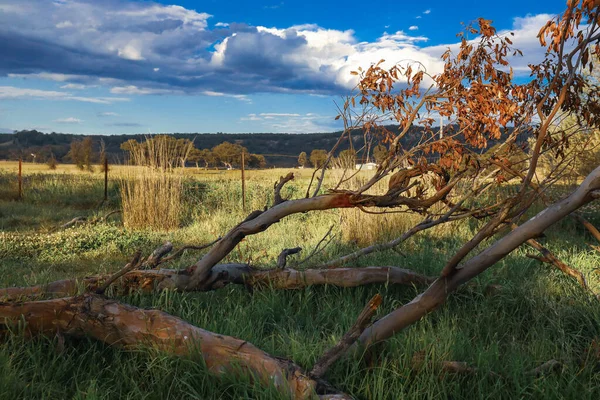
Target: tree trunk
column 437, row 293
column 221, row 275
column 119, row 324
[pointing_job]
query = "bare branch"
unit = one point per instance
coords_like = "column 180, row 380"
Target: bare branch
column 282, row 259
column 333, row 354
column 133, row 264
column 277, row 199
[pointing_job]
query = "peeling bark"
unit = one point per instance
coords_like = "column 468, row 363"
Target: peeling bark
column 126, row 326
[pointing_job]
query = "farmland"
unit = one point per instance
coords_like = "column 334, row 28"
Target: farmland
column 513, row 318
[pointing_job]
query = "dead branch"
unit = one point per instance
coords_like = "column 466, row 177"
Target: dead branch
column 262, row 220
column 589, row 226
column 105, row 218
column 549, row 258
column 547, row 367
column 437, row 293
column 155, row 258
column 317, row 248
column 133, row 264
column 149, row 281
column 126, row 326
column 383, row 246
column 73, row 222
column 180, row 251
column 282, row 259
column 277, row 199
column 333, row 354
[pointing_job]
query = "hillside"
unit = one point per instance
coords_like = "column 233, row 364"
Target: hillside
column 279, row 149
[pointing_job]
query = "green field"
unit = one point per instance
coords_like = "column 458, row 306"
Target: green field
column 538, row 313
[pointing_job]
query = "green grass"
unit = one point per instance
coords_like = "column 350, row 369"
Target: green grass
column 538, row 315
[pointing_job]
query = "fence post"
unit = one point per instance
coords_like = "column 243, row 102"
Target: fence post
column 20, row 178
column 105, row 178
column 243, row 183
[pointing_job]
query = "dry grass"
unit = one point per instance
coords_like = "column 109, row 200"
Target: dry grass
column 151, row 193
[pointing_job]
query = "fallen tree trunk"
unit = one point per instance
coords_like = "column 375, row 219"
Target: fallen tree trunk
column 123, row 325
column 438, row 292
column 222, row 275
column 259, row 221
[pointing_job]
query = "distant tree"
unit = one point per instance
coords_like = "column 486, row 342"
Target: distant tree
column 52, row 163
column 87, row 153
column 204, row 155
column 302, row 159
column 347, row 159
column 257, row 161
column 318, row 157
column 76, row 154
column 379, row 153
column 229, row 154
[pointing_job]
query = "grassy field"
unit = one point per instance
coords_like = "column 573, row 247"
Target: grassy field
column 539, row 314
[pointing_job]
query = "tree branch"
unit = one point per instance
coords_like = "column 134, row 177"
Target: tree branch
column 333, row 354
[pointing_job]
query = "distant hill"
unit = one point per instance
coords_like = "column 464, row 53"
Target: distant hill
column 279, row 149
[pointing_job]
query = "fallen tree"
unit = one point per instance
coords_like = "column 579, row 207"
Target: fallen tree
column 149, row 281
column 440, row 175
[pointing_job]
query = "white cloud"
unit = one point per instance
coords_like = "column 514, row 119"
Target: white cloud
column 240, row 97
column 418, row 17
column 49, row 76
column 413, row 28
column 69, row 120
column 279, row 115
column 122, row 44
column 108, row 114
column 73, row 86
column 131, row 51
column 293, row 122
column 16, row 93
column 132, row 89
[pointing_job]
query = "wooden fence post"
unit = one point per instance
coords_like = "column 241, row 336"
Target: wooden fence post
column 105, row 178
column 243, row 183
column 20, row 178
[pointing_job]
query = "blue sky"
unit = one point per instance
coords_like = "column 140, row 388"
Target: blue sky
column 124, row 66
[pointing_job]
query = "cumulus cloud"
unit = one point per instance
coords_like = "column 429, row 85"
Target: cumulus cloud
column 69, row 120
column 123, row 44
column 427, row 11
column 413, row 28
column 293, row 122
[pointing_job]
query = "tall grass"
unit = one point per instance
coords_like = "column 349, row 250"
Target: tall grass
column 151, row 193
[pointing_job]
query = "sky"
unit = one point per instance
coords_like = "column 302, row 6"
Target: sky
column 125, row 66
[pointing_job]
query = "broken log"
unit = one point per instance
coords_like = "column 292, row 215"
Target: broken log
column 148, row 281
column 118, row 324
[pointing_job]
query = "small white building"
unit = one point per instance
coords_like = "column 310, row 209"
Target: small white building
column 366, row 166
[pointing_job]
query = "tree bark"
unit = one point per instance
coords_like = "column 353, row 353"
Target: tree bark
column 119, row 324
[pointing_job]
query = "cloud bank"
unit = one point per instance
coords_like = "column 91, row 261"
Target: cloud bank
column 145, row 48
